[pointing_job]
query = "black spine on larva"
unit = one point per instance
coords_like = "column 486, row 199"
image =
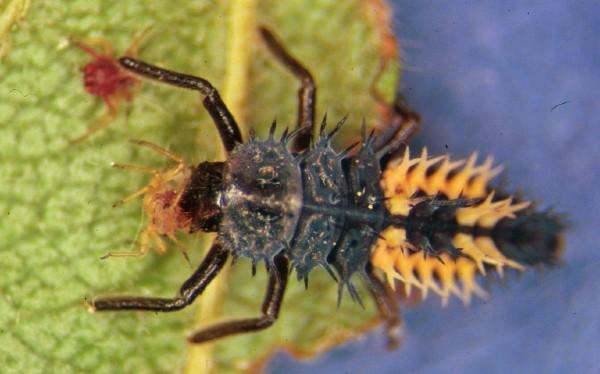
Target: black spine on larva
column 431, row 225
column 531, row 238
column 261, row 200
column 364, row 218
column 325, row 197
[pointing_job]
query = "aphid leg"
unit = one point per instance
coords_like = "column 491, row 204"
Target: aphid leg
column 387, row 305
column 179, row 246
column 404, row 123
column 112, row 108
column 132, row 195
column 278, row 275
column 99, row 123
column 306, row 93
column 192, row 288
column 85, row 45
column 136, row 40
column 139, row 168
column 142, row 252
column 157, row 149
column 148, row 240
column 165, row 176
column 226, row 125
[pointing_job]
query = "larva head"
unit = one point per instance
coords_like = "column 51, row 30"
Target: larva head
column 201, row 198
column 181, row 198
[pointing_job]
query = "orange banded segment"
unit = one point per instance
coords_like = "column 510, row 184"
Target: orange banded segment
column 405, row 181
column 443, row 276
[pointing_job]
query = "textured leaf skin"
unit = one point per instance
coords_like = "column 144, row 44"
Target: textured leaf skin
column 56, row 199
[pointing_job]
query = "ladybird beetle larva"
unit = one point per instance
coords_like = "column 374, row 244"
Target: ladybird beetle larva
column 373, row 211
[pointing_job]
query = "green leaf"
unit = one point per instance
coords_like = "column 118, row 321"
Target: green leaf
column 56, row 198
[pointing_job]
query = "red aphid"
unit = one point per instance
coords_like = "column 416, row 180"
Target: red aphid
column 103, row 77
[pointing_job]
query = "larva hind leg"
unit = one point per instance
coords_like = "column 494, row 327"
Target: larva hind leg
column 278, row 275
column 386, row 302
column 403, row 124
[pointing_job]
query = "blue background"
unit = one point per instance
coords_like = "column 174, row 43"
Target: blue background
column 486, row 76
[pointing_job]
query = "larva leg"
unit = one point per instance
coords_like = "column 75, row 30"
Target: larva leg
column 228, row 128
column 278, row 275
column 404, row 123
column 306, row 93
column 387, row 305
column 192, row 288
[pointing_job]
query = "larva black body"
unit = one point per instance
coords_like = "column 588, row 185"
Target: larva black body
column 295, row 202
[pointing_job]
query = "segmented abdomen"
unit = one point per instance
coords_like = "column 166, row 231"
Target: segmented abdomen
column 324, row 192
column 449, row 212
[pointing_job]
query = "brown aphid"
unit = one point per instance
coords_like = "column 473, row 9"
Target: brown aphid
column 161, row 202
column 105, row 78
